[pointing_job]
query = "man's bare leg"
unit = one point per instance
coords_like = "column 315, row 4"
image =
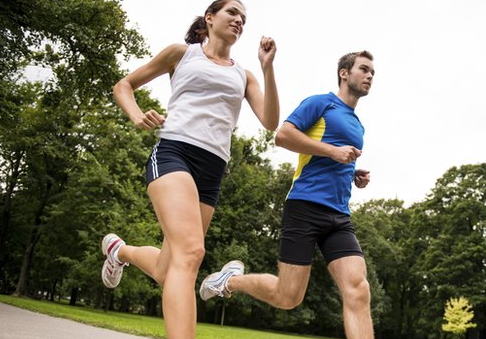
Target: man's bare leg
column 285, row 291
column 349, row 273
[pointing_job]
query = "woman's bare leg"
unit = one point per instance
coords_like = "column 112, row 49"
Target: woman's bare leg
column 176, row 203
column 154, row 261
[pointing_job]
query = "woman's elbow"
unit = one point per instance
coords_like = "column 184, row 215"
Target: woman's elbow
column 121, row 86
column 117, row 88
column 270, row 121
column 271, row 126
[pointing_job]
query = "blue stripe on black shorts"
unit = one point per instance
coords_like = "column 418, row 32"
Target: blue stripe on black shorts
column 306, row 224
column 206, row 168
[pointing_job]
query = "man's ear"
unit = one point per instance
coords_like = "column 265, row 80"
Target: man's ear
column 343, row 73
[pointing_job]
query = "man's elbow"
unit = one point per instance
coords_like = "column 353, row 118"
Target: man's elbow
column 279, row 139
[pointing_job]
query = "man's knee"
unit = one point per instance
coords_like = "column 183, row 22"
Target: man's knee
column 358, row 294
column 288, row 300
column 290, row 303
column 292, row 285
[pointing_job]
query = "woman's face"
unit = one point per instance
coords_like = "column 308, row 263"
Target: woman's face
column 228, row 21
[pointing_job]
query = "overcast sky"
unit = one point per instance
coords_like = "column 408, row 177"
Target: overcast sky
column 425, row 111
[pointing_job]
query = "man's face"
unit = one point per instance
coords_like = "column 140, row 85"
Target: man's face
column 360, row 77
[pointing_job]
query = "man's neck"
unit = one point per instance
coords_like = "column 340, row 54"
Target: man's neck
column 347, row 98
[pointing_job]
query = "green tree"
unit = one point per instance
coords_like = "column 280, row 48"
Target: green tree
column 14, row 134
column 42, row 135
column 450, row 227
column 458, row 315
column 79, row 40
column 105, row 193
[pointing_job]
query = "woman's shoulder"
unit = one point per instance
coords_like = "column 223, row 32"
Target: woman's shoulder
column 169, row 57
column 175, row 49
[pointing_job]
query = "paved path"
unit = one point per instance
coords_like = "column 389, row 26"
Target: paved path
column 17, row 323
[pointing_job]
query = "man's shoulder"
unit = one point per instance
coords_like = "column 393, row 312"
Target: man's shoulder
column 320, row 98
column 318, row 101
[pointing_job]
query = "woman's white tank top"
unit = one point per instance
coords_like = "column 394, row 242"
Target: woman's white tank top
column 205, row 103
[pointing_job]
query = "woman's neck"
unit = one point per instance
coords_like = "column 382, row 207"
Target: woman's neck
column 220, row 56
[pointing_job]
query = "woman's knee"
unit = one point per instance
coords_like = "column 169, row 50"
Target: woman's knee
column 188, row 260
column 191, row 265
column 197, row 255
column 190, row 257
column 159, row 277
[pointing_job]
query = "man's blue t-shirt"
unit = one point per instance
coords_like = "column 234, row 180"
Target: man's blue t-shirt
column 322, row 180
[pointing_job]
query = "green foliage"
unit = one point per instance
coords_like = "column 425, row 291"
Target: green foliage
column 458, row 314
column 450, row 226
column 79, row 40
column 69, row 161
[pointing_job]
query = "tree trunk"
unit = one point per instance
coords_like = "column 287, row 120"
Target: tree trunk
column 53, row 290
column 10, row 184
column 99, row 298
column 34, row 238
column 21, row 289
column 74, row 296
column 124, row 304
column 109, row 301
column 151, row 306
column 223, row 311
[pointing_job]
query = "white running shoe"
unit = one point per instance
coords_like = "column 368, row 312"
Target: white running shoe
column 112, row 270
column 216, row 284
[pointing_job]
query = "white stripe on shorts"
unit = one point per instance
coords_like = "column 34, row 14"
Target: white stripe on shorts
column 153, row 159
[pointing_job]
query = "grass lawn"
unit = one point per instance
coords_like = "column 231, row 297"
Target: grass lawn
column 137, row 324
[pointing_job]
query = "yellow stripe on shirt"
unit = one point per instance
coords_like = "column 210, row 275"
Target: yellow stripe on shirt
column 316, row 132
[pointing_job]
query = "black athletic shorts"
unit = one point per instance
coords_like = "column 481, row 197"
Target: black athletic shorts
column 206, row 168
column 305, row 224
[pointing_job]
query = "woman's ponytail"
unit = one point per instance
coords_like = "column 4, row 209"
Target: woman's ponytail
column 198, row 32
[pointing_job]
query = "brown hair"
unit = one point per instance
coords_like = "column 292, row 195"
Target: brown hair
column 347, row 61
column 198, row 31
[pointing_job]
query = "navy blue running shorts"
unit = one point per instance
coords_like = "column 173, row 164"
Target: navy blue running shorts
column 306, row 224
column 206, row 168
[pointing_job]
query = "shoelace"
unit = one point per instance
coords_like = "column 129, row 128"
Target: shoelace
column 218, row 292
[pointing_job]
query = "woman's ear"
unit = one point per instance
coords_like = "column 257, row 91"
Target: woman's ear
column 209, row 19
